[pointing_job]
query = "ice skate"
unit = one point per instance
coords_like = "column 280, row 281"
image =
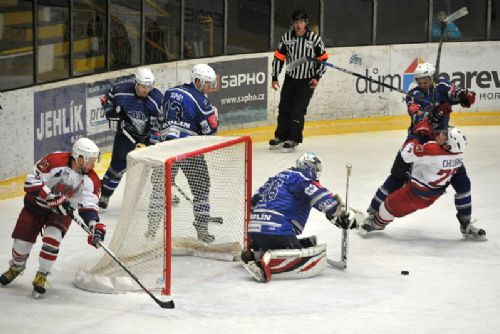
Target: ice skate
column 275, row 144
column 469, row 231
column 290, row 146
column 11, row 273
column 259, row 269
column 39, row 285
column 370, row 224
column 103, row 202
column 202, row 232
column 255, row 270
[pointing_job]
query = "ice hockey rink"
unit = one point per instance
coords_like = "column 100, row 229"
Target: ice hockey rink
column 453, row 285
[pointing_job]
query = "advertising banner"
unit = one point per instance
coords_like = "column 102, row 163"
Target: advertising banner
column 241, row 95
column 59, row 118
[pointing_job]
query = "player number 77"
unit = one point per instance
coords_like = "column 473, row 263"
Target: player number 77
column 447, row 174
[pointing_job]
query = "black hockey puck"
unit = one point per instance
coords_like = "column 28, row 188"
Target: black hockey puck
column 405, row 272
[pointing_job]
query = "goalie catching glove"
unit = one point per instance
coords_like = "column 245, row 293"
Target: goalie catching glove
column 346, row 220
column 341, row 217
column 97, row 233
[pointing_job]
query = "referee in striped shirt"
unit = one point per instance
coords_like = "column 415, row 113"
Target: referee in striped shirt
column 299, row 83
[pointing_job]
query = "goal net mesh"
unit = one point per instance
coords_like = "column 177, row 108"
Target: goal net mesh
column 183, row 197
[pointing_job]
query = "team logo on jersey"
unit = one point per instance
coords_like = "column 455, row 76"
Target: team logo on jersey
column 311, row 189
column 43, row 165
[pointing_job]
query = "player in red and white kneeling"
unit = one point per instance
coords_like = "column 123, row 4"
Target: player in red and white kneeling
column 280, row 210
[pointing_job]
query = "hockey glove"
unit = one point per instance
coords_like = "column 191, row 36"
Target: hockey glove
column 423, row 128
column 333, row 213
column 413, row 108
column 59, row 204
column 131, row 130
column 444, row 109
column 114, row 120
column 466, row 97
column 97, row 233
column 253, row 202
column 346, row 220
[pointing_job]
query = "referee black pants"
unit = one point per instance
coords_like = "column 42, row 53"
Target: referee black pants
column 294, row 100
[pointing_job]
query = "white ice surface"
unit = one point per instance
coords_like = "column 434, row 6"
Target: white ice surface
column 453, row 286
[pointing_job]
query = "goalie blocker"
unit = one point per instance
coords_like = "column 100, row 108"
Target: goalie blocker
column 287, row 263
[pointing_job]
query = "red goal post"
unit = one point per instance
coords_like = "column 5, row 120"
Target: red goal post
column 189, row 196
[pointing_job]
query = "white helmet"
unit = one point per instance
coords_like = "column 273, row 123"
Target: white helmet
column 424, row 70
column 86, row 148
column 310, row 161
column 144, row 76
column 456, row 140
column 204, row 73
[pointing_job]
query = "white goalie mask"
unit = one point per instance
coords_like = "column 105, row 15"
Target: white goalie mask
column 424, row 70
column 87, row 149
column 204, row 73
column 456, row 140
column 310, row 161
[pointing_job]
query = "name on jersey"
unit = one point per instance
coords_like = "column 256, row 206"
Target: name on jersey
column 450, row 163
column 185, row 125
column 240, row 79
column 260, row 216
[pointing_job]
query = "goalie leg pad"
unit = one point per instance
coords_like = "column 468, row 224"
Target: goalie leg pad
column 296, row 263
column 288, row 263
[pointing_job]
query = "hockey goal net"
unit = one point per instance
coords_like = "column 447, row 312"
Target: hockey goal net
column 189, row 196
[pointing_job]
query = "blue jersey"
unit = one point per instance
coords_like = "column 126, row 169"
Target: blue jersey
column 188, row 112
column 134, row 110
column 442, row 92
column 282, row 205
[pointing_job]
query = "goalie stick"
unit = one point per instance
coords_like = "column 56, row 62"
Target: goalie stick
column 161, row 303
column 342, row 264
column 447, row 20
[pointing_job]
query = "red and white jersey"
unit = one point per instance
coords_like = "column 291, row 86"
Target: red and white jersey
column 54, row 174
column 433, row 166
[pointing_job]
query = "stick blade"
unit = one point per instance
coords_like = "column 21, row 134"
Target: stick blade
column 456, row 15
column 296, row 63
column 336, row 264
column 165, row 304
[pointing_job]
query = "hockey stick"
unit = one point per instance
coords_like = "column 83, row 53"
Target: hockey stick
column 342, row 264
column 296, row 63
column 129, row 136
column 447, row 20
column 217, row 220
column 163, row 304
